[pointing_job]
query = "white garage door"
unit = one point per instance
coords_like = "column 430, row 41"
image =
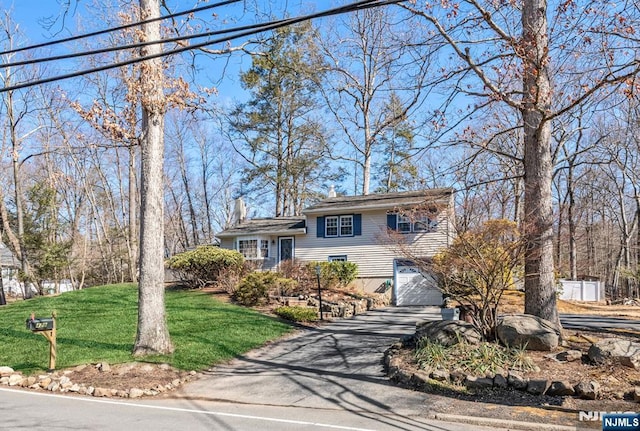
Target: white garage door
column 412, row 287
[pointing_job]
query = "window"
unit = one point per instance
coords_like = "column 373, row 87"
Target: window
column 415, row 223
column 424, row 224
column 254, row 248
column 404, row 223
column 248, row 248
column 346, row 225
column 264, row 248
column 340, row 258
column 331, row 226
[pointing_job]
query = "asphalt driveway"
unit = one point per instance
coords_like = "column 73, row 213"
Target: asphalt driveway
column 337, row 366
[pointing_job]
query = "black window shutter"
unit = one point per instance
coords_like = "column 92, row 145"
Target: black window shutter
column 320, row 227
column 357, row 224
column 392, row 221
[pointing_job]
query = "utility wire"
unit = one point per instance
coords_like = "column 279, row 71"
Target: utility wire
column 122, row 27
column 352, row 7
column 256, row 27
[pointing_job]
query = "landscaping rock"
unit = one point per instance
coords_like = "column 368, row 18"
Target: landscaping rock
column 104, row 367
column 530, row 332
column 635, row 394
column 440, row 375
column 101, row 392
column 472, row 382
column 15, row 379
column 538, row 386
column 587, row 390
column 419, row 378
column 500, row 381
column 569, row 356
column 625, row 351
column 136, row 393
column 516, row 381
column 457, row 376
column 448, row 332
column 6, row 371
column 561, row 389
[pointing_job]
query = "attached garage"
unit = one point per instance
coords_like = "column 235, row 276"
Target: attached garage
column 412, row 287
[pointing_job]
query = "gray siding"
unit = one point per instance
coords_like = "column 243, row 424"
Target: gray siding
column 372, row 251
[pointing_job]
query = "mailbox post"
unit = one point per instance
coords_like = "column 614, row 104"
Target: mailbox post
column 47, row 327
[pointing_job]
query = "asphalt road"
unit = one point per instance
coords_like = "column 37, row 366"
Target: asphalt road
column 601, row 323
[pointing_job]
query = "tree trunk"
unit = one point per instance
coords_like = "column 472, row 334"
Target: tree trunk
column 133, row 209
column 153, row 334
column 540, row 292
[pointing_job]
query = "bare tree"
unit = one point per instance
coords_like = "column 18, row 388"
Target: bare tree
column 501, row 53
column 373, row 62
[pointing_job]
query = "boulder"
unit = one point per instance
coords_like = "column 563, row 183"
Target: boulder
column 625, row 351
column 448, row 332
column 530, row 332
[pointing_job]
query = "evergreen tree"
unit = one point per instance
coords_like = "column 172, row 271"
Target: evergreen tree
column 280, row 134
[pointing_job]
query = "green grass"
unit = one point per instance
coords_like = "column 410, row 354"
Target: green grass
column 99, row 324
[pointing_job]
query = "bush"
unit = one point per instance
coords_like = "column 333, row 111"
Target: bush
column 335, row 274
column 302, row 273
column 478, row 267
column 254, row 289
column 205, row 265
column 297, row 314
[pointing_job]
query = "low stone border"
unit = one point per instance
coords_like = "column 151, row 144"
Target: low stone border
column 59, row 381
column 411, row 378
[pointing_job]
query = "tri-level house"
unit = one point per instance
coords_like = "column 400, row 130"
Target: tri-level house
column 377, row 231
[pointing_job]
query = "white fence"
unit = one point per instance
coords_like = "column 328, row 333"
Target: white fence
column 572, row 290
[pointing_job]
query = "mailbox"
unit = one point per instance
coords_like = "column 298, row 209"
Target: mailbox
column 40, row 324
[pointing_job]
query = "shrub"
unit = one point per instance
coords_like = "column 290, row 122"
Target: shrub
column 205, row 264
column 297, row 314
column 301, row 272
column 478, row 267
column 254, row 289
column 335, row 274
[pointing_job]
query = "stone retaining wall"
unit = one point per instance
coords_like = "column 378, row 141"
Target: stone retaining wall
column 409, row 377
column 59, row 381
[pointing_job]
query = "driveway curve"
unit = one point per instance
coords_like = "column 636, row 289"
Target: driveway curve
column 336, row 366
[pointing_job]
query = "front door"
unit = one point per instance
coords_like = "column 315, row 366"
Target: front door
column 285, row 248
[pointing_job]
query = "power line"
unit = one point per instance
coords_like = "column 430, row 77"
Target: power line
column 352, row 7
column 135, row 45
column 122, row 27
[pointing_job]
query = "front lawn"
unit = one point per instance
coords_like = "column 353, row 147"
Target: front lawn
column 99, row 324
